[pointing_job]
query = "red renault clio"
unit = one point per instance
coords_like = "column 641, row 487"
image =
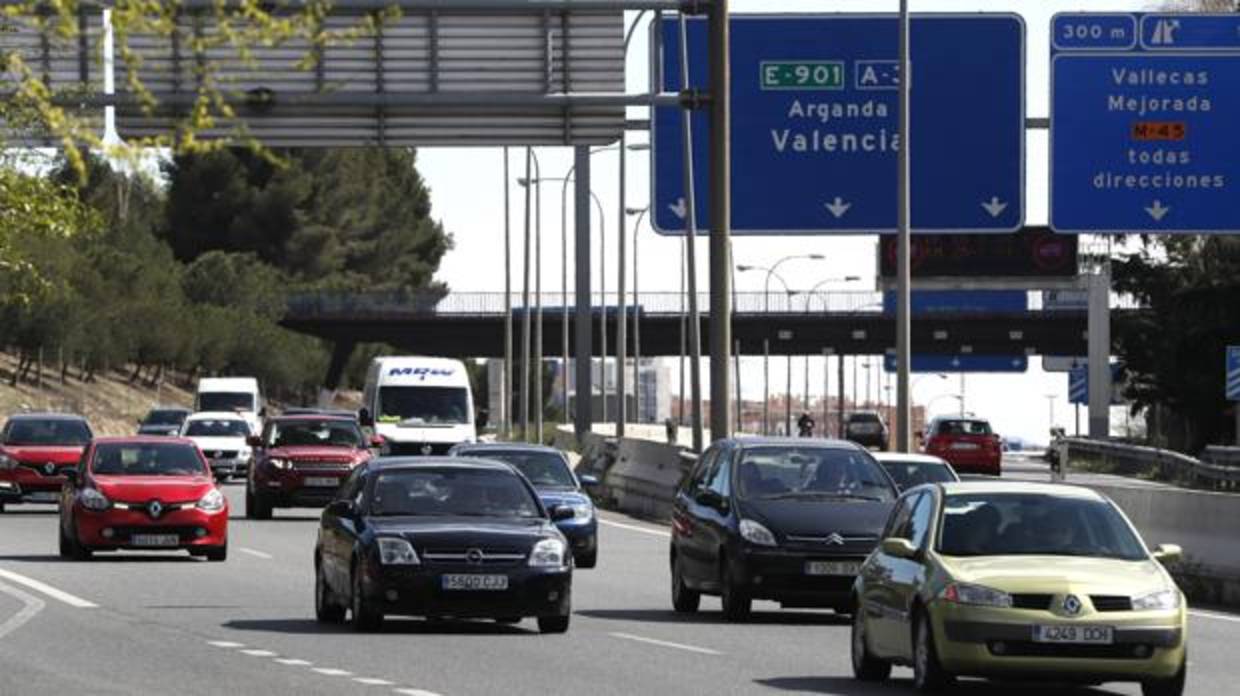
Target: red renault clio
column 35, row 451
column 150, row 493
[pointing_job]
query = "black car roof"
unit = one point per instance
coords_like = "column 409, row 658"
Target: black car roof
column 388, row 463
column 822, row 443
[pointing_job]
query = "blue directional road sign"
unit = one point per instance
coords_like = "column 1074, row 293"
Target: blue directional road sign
column 1078, row 385
column 1233, row 373
column 815, row 131
column 960, row 301
column 961, row 363
column 1143, row 123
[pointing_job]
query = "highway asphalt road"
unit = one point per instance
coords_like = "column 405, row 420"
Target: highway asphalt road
column 168, row 624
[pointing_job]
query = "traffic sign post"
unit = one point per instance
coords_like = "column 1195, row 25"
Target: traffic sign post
column 1143, row 114
column 815, row 129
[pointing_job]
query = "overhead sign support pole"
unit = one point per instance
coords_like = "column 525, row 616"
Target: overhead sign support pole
column 690, row 270
column 1099, row 377
column 583, row 324
column 904, row 328
column 721, row 221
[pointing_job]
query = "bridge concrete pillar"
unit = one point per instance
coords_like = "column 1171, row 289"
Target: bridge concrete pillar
column 341, row 352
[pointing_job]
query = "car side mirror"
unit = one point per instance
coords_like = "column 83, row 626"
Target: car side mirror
column 364, row 418
column 588, row 480
column 342, row 508
column 254, row 441
column 710, row 499
column 560, row 513
column 376, row 442
column 1168, row 553
column 899, row 548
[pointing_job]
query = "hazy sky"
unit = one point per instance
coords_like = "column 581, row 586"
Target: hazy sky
column 467, row 186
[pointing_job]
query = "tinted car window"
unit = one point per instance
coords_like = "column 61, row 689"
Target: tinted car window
column 165, row 417
column 453, row 492
column 53, row 431
column 217, row 428
column 919, row 521
column 911, row 474
column 720, row 480
column 898, row 521
column 225, row 401
column 312, row 433
column 963, row 427
column 541, row 468
column 1035, row 524
column 700, row 473
column 788, row 471
column 146, row 459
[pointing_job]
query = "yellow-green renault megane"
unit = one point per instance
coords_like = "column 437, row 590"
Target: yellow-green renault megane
column 1018, row 581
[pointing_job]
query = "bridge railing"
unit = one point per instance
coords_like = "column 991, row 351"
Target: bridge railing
column 400, row 303
column 1219, row 469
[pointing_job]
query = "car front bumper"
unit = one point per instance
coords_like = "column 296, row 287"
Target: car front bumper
column 988, row 642
column 971, row 461
column 291, row 488
column 780, row 575
column 229, row 467
column 194, row 528
column 24, row 485
column 418, row 591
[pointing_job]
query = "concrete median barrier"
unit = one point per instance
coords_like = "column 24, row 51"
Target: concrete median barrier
column 638, row 476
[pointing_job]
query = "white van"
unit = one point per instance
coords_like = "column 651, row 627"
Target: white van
column 418, row 405
column 238, row 395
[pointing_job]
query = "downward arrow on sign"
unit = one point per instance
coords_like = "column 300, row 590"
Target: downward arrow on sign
column 1158, row 211
column 679, row 209
column 995, row 206
column 838, row 207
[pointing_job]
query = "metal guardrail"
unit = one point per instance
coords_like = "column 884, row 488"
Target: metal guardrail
column 1219, row 471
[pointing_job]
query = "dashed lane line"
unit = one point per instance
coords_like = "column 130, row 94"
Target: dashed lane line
column 333, row 672
column 258, row 653
column 293, row 662
column 665, row 644
column 256, row 553
column 58, row 595
column 31, row 606
column 371, row 681
column 635, row 528
column 1214, row 615
column 243, row 649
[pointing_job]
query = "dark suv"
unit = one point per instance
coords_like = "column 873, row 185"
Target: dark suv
column 779, row 519
column 866, row 428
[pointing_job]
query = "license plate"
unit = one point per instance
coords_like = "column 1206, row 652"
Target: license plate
column 475, row 582
column 832, row 568
column 43, row 497
column 965, row 446
column 154, row 540
column 322, row 481
column 1074, row 635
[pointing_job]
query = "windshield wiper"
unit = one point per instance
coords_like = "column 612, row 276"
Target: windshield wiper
column 820, row 494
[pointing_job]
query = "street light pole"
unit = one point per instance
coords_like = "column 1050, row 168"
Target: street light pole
column 904, row 326
column 538, row 309
column 637, row 326
column 506, row 411
column 525, row 306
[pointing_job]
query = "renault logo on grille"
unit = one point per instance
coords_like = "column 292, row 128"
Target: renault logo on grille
column 474, row 556
column 1071, row 605
column 155, row 509
column 834, row 539
column 426, row 449
column 49, row 468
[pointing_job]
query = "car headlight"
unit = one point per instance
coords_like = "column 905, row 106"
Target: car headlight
column 582, row 511
column 213, row 501
column 393, row 551
column 244, row 454
column 7, row 462
column 1154, row 601
column 92, row 499
column 755, row 533
column 548, row 553
column 277, row 463
column 977, row 595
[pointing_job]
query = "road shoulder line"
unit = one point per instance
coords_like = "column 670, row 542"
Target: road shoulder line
column 43, row 588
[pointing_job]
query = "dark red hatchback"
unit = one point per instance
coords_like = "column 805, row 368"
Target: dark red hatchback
column 35, row 450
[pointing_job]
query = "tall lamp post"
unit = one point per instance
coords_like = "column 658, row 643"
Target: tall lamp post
column 809, row 296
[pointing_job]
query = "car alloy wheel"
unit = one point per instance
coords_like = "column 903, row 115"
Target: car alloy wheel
column 326, row 608
column 865, row 666
column 736, row 602
column 553, row 624
column 928, row 675
column 365, row 617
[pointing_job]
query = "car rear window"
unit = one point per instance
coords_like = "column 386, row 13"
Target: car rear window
column 908, row 474
column 147, row 459
column 217, row 428
column 541, row 468
column 964, row 427
column 864, row 418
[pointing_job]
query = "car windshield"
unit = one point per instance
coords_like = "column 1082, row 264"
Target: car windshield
column 424, row 405
column 217, row 427
column 450, row 491
column 907, row 474
column 543, row 469
column 147, row 459
column 53, row 431
column 964, row 427
column 787, row 472
column 314, row 433
column 1002, row 524
column 225, row 401
column 165, row 418
column 864, row 418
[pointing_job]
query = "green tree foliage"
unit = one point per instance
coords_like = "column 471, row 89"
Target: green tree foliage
column 1174, row 353
column 341, row 218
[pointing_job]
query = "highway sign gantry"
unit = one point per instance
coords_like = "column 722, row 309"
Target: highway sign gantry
column 1233, row 373
column 1144, row 109
column 960, row 363
column 815, row 130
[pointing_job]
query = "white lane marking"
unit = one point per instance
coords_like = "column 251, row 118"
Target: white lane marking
column 666, row 644
column 225, row 644
column 332, row 672
column 1214, row 615
column 371, row 681
column 258, row 653
column 31, row 606
column 293, row 662
column 415, row 692
column 256, row 553
column 59, row 595
column 635, row 528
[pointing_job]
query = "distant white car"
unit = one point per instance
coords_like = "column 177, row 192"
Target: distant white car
column 223, row 438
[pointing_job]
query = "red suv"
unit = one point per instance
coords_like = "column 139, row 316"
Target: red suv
column 299, row 461
column 968, row 444
column 35, row 450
